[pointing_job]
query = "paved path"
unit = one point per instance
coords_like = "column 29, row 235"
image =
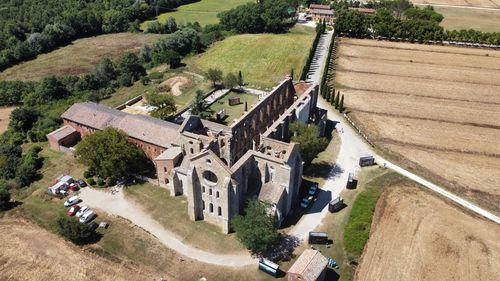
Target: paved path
column 317, row 64
column 458, row 6
column 118, row 205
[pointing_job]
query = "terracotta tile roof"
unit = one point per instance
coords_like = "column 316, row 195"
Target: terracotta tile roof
column 319, row 6
column 170, row 153
column 150, row 129
column 271, row 193
column 93, row 115
column 321, row 12
column 309, row 265
column 62, row 132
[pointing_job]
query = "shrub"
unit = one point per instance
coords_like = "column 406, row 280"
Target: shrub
column 110, row 181
column 156, row 75
column 91, row 181
column 4, row 198
column 88, row 174
column 100, row 182
column 74, row 231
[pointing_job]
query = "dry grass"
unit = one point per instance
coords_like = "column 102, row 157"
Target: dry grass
column 417, row 236
column 466, row 3
column 434, row 109
column 459, row 18
column 4, row 117
column 79, row 57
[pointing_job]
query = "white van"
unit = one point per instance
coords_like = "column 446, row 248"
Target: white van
column 88, row 216
column 71, row 201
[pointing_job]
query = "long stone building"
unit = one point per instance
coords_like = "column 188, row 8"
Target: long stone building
column 217, row 167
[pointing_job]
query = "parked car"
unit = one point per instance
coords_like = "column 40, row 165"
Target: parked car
column 82, row 211
column 306, row 201
column 81, row 183
column 313, row 189
column 88, row 216
column 93, row 226
column 73, row 210
column 71, row 201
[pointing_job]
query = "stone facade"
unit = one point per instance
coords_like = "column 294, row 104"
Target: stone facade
column 218, row 167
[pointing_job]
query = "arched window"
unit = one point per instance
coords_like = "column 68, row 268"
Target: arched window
column 203, row 204
column 219, row 211
column 211, row 208
column 191, row 150
column 217, row 194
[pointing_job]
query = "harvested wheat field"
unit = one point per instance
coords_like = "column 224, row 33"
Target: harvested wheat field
column 81, row 56
column 29, row 252
column 416, row 235
column 467, row 3
column 434, row 109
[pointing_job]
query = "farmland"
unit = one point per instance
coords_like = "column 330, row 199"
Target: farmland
column 418, row 236
column 434, row 109
column 204, row 12
column 466, row 3
column 460, row 18
column 264, row 59
column 79, row 57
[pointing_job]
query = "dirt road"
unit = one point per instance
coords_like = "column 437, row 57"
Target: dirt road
column 118, row 205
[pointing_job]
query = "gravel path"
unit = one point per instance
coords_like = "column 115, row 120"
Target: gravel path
column 118, row 205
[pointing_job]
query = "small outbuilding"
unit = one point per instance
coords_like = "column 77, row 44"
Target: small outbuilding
column 65, row 136
column 310, row 266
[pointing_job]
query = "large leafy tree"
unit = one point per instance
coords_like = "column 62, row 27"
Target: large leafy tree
column 164, row 104
column 108, row 154
column 130, row 65
column 215, row 75
column 311, row 144
column 199, row 106
column 74, row 231
column 256, row 229
column 4, row 197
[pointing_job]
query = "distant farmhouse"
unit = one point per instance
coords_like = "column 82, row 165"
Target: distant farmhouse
column 321, row 12
column 217, row 167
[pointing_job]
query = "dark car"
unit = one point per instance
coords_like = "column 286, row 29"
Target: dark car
column 93, row 225
column 81, row 183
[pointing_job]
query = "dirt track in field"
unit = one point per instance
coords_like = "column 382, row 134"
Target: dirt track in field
column 430, row 239
column 435, row 109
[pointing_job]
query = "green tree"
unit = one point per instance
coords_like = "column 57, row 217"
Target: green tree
column 130, row 65
column 311, row 144
column 199, row 106
column 256, row 230
column 22, row 119
column 164, row 103
column 76, row 232
column 215, row 75
column 240, row 79
column 49, row 89
column 105, row 71
column 291, row 73
column 4, row 198
column 108, row 153
column 341, row 105
column 172, row 58
column 231, row 80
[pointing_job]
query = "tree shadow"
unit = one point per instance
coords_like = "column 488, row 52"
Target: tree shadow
column 11, row 205
column 283, row 248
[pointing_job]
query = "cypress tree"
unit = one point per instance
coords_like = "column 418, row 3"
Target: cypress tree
column 291, row 73
column 327, row 94
column 246, row 106
column 341, row 106
column 332, row 102
column 337, row 100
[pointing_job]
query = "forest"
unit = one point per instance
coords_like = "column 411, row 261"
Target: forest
column 29, row 27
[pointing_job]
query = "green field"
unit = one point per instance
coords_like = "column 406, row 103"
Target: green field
column 461, row 18
column 264, row 59
column 81, row 56
column 205, row 12
column 233, row 111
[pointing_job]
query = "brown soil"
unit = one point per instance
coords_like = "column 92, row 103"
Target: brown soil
column 4, row 117
column 418, row 236
column 435, row 109
column 29, row 252
column 175, row 84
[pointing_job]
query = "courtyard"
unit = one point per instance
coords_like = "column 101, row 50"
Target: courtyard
column 233, row 112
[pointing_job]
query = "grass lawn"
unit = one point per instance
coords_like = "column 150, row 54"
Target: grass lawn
column 264, row 59
column 171, row 212
column 233, row 112
column 205, row 12
column 79, row 57
column 457, row 18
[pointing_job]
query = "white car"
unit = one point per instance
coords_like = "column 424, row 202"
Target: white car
column 88, row 216
column 82, row 211
column 71, row 201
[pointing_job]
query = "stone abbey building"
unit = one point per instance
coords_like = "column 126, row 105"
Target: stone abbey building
column 217, row 167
